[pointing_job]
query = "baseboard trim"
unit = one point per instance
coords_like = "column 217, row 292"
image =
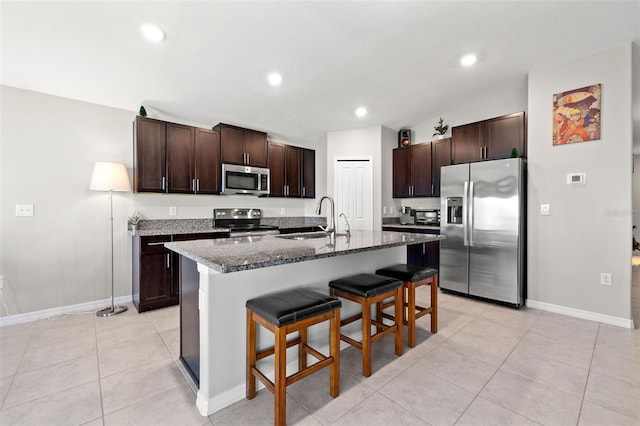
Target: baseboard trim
column 70, row 309
column 579, row 313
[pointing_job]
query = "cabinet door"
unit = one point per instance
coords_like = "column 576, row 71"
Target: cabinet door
column 415, row 255
column 180, row 158
column 293, row 166
column 277, row 168
column 207, row 161
column 502, row 134
column 255, row 146
column 150, row 155
column 421, row 170
column 401, row 172
column 154, row 279
column 441, row 156
column 308, row 173
column 231, row 144
column 468, row 144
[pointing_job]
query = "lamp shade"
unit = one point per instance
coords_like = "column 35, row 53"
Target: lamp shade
column 110, row 177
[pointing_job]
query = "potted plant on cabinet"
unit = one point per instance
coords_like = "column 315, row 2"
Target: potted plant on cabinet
column 134, row 219
column 441, row 129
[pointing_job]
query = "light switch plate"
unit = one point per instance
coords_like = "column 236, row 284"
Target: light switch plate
column 24, row 209
column 173, row 211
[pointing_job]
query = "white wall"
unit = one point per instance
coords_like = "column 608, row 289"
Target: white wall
column 358, row 143
column 61, row 256
column 589, row 229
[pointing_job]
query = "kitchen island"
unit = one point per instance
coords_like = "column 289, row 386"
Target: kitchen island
column 218, row 276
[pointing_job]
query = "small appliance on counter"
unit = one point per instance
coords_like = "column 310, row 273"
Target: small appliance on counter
column 406, row 216
column 429, row 217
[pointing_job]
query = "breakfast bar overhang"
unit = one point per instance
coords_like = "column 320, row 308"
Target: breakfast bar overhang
column 218, row 276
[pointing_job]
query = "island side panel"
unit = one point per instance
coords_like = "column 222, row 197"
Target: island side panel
column 222, row 316
column 190, row 317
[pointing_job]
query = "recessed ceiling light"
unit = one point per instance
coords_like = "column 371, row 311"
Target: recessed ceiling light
column 468, row 59
column 361, row 111
column 275, row 79
column 152, row 32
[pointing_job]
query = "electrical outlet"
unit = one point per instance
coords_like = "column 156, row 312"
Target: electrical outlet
column 385, row 210
column 545, row 209
column 24, row 209
column 605, row 278
column 173, row 211
column 282, row 211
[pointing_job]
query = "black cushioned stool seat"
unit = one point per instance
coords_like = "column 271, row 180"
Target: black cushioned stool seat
column 369, row 289
column 412, row 276
column 286, row 312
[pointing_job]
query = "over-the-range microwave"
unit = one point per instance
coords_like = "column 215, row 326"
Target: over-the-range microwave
column 245, row 180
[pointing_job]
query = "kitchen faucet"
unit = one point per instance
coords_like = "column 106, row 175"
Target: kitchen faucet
column 330, row 229
column 348, row 226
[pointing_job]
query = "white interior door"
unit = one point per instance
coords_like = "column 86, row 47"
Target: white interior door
column 353, row 193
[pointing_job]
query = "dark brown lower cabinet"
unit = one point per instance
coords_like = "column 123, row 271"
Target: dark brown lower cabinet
column 152, row 280
column 156, row 270
column 425, row 254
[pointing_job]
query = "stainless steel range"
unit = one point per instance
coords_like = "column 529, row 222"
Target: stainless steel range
column 242, row 222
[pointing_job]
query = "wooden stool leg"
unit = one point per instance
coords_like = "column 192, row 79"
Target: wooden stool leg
column 398, row 320
column 280, row 378
column 366, row 338
column 334, row 352
column 434, row 304
column 251, row 356
column 411, row 313
column 379, row 315
column 302, row 350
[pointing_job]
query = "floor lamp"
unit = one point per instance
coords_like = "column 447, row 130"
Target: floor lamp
column 110, row 177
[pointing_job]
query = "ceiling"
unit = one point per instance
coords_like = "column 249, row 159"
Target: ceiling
column 399, row 59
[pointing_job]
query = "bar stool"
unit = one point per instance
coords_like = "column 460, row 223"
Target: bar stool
column 282, row 313
column 412, row 277
column 369, row 289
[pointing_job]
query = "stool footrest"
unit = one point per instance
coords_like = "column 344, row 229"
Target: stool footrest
column 270, row 351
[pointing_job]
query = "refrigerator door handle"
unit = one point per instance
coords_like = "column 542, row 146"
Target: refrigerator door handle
column 465, row 222
column 470, row 210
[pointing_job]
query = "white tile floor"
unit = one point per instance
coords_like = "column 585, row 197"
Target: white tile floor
column 488, row 365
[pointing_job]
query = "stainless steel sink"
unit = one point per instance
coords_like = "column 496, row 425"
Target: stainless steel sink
column 307, row 235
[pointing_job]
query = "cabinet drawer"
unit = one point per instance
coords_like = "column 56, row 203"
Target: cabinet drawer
column 154, row 244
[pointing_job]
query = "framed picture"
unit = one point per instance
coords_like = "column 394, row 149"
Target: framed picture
column 576, row 115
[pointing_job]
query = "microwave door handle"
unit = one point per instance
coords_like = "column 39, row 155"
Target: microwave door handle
column 464, row 214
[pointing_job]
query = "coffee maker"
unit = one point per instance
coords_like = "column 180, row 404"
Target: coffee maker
column 406, row 215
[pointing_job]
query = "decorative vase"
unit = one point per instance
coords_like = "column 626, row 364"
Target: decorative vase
column 134, row 226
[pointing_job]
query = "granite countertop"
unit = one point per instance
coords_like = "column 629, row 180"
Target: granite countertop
column 240, row 254
column 157, row 227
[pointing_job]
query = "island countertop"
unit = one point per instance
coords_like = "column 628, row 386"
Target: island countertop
column 239, row 254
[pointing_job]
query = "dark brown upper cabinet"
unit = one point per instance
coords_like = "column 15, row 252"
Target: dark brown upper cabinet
column 207, row 161
column 175, row 158
column 440, row 156
column 150, row 155
column 490, row 139
column 242, row 146
column 308, row 173
column 285, row 164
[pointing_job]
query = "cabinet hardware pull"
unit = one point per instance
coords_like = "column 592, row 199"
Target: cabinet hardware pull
column 482, row 152
column 304, row 191
column 198, row 185
column 168, row 260
column 193, row 185
column 157, row 244
column 432, row 188
column 247, row 158
column 163, row 183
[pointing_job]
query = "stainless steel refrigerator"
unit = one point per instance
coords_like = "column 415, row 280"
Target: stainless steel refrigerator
column 483, row 218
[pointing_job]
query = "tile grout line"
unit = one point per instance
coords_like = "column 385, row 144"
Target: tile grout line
column 586, row 383
column 493, row 375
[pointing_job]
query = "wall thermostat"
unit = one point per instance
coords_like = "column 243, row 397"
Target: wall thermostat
column 576, row 178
